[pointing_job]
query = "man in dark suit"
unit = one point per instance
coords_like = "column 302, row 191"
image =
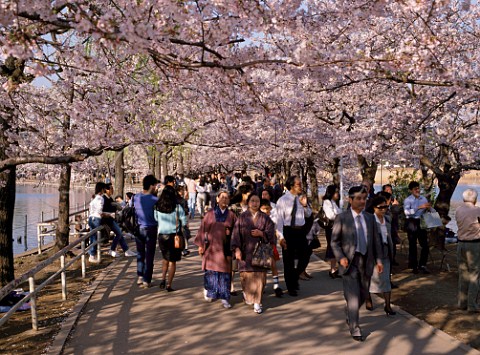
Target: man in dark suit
column 354, row 243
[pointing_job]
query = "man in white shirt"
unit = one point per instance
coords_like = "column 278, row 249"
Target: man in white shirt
column 415, row 206
column 292, row 212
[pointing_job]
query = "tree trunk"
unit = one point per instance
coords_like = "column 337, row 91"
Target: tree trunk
column 447, row 183
column 164, row 163
column 181, row 167
column 7, row 204
column 63, row 224
column 312, row 176
column 119, row 173
column 367, row 170
column 151, row 159
column 335, row 171
column 158, row 170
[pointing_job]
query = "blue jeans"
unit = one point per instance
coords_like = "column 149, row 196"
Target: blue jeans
column 118, row 235
column 93, row 222
column 192, row 199
column 146, row 241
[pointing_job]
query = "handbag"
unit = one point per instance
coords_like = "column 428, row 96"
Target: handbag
column 323, row 220
column 432, row 219
column 315, row 243
column 178, row 241
column 262, row 255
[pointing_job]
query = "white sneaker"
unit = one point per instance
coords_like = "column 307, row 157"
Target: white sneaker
column 113, row 254
column 93, row 259
column 140, row 280
column 130, row 253
column 257, row 308
column 208, row 299
column 226, row 304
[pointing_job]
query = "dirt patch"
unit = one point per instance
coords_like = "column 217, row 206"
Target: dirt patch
column 17, row 335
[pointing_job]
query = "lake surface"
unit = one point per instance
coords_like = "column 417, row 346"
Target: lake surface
column 31, row 201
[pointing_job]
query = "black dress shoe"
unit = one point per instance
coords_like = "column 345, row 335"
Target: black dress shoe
column 389, row 311
column 293, row 293
column 358, row 338
column 415, row 271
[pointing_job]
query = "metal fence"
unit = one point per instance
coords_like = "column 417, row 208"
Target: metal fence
column 30, row 275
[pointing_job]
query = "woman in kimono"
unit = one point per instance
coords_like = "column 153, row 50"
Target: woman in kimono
column 213, row 241
column 252, row 225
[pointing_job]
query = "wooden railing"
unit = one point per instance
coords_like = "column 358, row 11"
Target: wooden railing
column 30, row 275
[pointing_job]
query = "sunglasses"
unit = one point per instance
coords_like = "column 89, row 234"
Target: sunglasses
column 383, row 207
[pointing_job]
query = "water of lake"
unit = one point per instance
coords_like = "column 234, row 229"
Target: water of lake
column 31, row 201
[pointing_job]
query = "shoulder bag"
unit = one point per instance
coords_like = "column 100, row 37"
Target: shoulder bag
column 179, row 241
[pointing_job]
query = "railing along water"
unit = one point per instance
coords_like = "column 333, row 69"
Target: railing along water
column 29, row 275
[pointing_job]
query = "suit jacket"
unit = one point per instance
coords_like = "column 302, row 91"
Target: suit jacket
column 344, row 237
column 386, row 252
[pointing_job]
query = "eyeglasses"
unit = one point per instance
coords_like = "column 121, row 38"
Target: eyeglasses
column 383, row 207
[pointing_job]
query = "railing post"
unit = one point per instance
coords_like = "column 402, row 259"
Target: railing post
column 84, row 266
column 63, row 277
column 42, row 217
column 99, row 245
column 25, row 235
column 53, row 217
column 33, row 303
column 39, row 231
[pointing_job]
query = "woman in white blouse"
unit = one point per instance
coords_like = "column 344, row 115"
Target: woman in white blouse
column 331, row 209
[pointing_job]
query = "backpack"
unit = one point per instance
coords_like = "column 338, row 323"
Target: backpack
column 129, row 218
column 323, row 220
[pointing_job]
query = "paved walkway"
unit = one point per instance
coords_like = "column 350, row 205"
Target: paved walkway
column 121, row 318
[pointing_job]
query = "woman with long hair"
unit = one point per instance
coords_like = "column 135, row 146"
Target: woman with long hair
column 252, row 225
column 331, row 209
column 170, row 217
column 213, row 241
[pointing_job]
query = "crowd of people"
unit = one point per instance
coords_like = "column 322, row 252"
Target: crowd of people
column 238, row 214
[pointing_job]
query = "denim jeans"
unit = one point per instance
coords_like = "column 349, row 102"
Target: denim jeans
column 192, row 199
column 93, row 222
column 146, row 241
column 118, row 235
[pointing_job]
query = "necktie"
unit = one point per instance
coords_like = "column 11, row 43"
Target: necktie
column 294, row 211
column 361, row 240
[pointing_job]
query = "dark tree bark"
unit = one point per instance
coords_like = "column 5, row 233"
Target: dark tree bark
column 367, row 170
column 334, row 169
column 7, row 204
column 312, row 176
column 164, row 164
column 119, row 173
column 63, row 223
column 158, row 168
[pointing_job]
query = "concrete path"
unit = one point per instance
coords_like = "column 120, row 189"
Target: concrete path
column 121, row 318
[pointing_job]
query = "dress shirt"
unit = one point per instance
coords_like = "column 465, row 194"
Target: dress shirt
column 410, row 205
column 284, row 213
column 383, row 229
column 363, row 226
